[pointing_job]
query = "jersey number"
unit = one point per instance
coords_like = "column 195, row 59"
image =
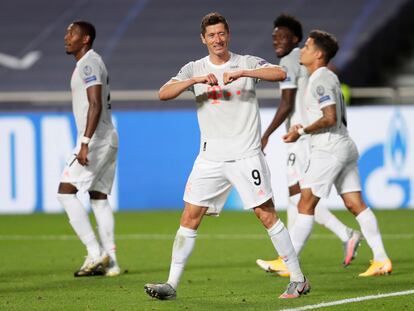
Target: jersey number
column 256, row 177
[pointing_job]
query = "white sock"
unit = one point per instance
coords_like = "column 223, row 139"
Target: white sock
column 292, row 210
column 79, row 220
column 183, row 246
column 301, row 231
column 324, row 217
column 105, row 221
column 283, row 245
column 370, row 230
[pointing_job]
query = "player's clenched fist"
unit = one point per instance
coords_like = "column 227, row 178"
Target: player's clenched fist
column 210, row 79
column 231, row 76
column 293, row 134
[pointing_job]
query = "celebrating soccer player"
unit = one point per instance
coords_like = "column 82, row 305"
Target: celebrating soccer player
column 287, row 35
column 333, row 154
column 230, row 150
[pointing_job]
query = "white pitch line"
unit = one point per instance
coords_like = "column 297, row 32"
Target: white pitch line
column 150, row 236
column 350, row 300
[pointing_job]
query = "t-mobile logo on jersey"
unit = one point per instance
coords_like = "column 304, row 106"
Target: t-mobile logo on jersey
column 216, row 94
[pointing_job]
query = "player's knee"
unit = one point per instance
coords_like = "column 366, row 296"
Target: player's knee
column 67, row 188
column 354, row 206
column 96, row 195
column 268, row 217
column 190, row 220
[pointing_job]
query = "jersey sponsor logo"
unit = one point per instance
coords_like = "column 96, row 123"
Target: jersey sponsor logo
column 234, row 66
column 288, row 79
column 87, row 70
column 90, row 79
column 324, row 99
column 320, row 90
column 216, row 93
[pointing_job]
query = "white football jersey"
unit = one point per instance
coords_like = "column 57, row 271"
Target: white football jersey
column 90, row 70
column 228, row 115
column 296, row 78
column 324, row 89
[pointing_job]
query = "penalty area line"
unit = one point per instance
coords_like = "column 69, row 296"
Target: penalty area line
column 350, row 300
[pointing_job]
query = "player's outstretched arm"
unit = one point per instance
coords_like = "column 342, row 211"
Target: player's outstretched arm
column 173, row 88
column 269, row 73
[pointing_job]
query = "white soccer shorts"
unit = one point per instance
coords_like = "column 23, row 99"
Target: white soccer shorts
column 210, row 182
column 98, row 175
column 336, row 165
column 297, row 160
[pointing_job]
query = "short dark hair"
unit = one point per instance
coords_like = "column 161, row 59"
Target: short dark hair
column 291, row 23
column 213, row 18
column 326, row 42
column 87, row 29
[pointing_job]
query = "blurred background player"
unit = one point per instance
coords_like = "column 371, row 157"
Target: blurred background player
column 92, row 168
column 287, row 35
column 230, row 151
column 333, row 155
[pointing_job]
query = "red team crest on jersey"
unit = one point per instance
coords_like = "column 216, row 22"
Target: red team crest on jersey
column 215, row 93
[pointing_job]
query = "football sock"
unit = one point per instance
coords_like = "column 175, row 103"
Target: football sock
column 370, row 230
column 105, row 221
column 324, row 217
column 183, row 246
column 79, row 220
column 292, row 210
column 283, row 245
column 301, row 231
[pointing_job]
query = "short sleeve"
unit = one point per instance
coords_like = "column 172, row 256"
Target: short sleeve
column 292, row 67
column 186, row 72
column 90, row 72
column 323, row 91
column 254, row 62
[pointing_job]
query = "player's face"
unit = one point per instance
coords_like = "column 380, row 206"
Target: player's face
column 216, row 38
column 74, row 39
column 284, row 41
column 309, row 53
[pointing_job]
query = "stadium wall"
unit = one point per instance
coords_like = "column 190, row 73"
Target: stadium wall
column 157, row 150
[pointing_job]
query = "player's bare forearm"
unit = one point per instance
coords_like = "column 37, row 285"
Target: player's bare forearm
column 327, row 120
column 94, row 110
column 269, row 73
column 173, row 88
column 285, row 108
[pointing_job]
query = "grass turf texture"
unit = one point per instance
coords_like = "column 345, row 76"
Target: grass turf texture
column 39, row 254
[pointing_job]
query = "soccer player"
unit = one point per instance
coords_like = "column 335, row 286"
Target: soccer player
column 333, row 154
column 92, row 167
column 230, row 151
column 287, row 35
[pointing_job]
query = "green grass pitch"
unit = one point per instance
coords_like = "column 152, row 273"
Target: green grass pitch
column 39, row 254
